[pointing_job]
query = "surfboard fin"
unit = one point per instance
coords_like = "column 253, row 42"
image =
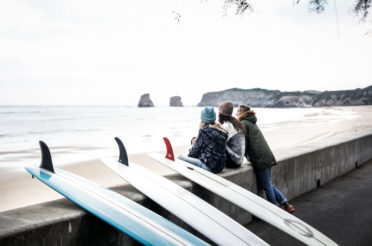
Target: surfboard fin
column 170, row 154
column 123, row 157
column 46, row 158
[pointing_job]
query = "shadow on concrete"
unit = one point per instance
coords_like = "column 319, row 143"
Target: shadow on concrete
column 341, row 209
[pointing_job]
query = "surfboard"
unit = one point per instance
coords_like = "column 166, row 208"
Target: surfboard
column 206, row 219
column 122, row 213
column 245, row 199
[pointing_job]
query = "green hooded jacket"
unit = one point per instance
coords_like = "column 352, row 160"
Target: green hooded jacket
column 257, row 151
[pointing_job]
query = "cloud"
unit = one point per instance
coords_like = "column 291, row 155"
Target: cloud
column 112, row 52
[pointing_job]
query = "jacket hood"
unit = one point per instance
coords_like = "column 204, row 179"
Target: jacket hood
column 217, row 131
column 216, row 126
column 229, row 128
column 248, row 115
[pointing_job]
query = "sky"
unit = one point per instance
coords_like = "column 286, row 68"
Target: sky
column 80, row 52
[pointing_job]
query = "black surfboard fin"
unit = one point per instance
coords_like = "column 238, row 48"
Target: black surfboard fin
column 123, row 157
column 46, row 158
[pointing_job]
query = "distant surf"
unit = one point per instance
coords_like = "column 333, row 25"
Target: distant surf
column 77, row 133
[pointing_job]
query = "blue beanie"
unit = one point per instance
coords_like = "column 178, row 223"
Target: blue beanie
column 208, row 115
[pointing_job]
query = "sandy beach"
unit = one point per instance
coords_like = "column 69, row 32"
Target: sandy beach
column 19, row 189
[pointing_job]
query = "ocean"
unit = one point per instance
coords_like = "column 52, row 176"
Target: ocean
column 79, row 133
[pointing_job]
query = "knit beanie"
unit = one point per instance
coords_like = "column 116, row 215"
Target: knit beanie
column 208, row 115
column 226, row 108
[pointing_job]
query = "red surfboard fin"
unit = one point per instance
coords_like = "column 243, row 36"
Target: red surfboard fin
column 170, row 154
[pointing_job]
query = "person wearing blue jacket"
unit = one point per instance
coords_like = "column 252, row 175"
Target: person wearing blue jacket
column 208, row 148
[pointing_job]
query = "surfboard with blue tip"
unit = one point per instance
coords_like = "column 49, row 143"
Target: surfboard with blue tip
column 131, row 218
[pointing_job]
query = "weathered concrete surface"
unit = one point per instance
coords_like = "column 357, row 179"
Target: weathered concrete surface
column 299, row 170
column 305, row 167
column 59, row 222
column 341, row 209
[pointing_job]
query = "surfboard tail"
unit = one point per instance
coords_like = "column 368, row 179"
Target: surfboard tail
column 170, row 154
column 46, row 158
column 123, row 156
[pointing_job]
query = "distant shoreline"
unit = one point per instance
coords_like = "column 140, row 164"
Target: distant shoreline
column 163, row 106
column 258, row 97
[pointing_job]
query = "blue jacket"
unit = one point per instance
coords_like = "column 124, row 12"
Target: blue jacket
column 209, row 148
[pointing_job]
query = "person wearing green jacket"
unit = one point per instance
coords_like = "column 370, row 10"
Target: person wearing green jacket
column 258, row 152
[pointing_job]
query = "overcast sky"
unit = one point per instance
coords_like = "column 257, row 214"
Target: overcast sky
column 112, row 52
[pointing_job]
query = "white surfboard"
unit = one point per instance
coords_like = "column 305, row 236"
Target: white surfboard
column 126, row 215
column 245, row 199
column 202, row 216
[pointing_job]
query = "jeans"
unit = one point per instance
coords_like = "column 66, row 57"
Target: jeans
column 194, row 161
column 272, row 193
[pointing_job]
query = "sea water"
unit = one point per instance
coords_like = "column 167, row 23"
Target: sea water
column 78, row 133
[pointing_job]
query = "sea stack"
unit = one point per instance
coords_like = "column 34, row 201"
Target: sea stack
column 145, row 101
column 175, row 101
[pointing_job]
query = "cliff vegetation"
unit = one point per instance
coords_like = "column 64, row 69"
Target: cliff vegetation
column 276, row 99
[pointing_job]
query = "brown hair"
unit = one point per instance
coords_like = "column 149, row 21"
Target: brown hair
column 245, row 111
column 237, row 124
column 244, row 108
column 214, row 124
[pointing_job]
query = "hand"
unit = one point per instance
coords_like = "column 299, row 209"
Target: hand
column 193, row 140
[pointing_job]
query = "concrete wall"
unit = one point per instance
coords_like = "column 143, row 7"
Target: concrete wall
column 307, row 167
column 299, row 170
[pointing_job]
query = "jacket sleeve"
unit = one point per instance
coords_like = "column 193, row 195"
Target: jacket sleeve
column 195, row 149
column 235, row 148
column 247, row 144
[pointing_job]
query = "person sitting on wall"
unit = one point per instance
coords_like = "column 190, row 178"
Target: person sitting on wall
column 235, row 145
column 208, row 149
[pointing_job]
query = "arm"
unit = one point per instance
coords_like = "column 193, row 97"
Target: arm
column 247, row 144
column 196, row 147
column 193, row 140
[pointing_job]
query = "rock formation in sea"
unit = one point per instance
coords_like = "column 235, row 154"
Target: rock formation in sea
column 276, row 99
column 175, row 101
column 145, row 101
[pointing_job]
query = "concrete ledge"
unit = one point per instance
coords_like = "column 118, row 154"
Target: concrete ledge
column 299, row 170
column 310, row 166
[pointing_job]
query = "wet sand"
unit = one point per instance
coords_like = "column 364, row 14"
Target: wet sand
column 18, row 189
